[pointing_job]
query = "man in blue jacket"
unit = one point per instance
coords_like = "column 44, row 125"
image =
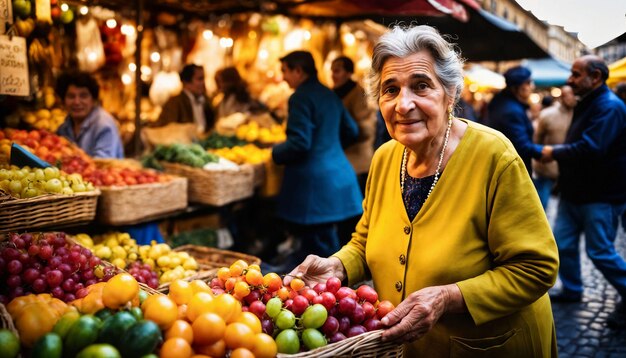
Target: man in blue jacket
column 592, row 166
column 507, row 114
column 319, row 187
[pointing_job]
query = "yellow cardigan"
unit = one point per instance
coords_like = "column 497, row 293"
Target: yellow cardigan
column 482, row 228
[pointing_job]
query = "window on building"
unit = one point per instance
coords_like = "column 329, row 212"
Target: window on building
column 493, row 6
column 505, row 14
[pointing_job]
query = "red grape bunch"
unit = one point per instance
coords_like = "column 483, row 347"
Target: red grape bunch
column 47, row 263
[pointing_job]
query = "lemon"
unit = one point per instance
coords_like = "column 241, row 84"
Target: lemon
column 119, row 252
column 103, row 252
column 10, row 344
column 120, row 263
column 190, row 264
column 112, row 242
column 164, row 261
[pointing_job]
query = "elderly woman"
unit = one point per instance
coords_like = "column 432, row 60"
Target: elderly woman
column 453, row 232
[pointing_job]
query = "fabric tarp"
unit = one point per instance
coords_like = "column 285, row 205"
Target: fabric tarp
column 548, row 72
column 617, row 72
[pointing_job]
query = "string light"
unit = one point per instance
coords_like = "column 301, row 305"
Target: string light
column 155, row 56
column 111, row 23
column 84, row 10
column 132, row 67
column 127, row 30
column 555, row 92
column 207, row 34
column 226, row 42
column 126, row 79
column 64, row 7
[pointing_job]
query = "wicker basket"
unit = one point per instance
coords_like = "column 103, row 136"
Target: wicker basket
column 259, row 174
column 211, row 259
column 365, row 345
column 54, row 210
column 215, row 187
column 124, row 205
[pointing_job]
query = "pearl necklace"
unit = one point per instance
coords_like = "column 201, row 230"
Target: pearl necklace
column 437, row 172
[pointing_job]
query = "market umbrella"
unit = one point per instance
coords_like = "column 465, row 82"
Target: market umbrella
column 617, row 72
column 548, row 72
column 480, row 35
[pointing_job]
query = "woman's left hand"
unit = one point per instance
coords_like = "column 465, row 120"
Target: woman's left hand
column 420, row 311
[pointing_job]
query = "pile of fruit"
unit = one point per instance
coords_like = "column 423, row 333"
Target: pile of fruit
column 114, row 326
column 248, row 153
column 152, row 264
column 29, row 182
column 300, row 317
column 59, row 152
column 47, row 263
column 252, row 132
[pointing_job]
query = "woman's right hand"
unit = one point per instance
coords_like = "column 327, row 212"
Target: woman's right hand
column 315, row 269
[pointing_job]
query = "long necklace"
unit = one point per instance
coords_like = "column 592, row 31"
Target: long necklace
column 437, row 172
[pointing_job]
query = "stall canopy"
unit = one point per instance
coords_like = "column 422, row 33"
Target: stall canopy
column 617, row 72
column 480, row 78
column 548, row 72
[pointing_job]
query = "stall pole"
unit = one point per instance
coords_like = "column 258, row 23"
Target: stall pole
column 138, row 82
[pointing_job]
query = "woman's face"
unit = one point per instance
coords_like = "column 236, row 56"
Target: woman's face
column 412, row 100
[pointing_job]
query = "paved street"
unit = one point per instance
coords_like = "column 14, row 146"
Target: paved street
column 581, row 327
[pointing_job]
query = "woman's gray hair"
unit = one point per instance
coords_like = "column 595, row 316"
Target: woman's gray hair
column 401, row 42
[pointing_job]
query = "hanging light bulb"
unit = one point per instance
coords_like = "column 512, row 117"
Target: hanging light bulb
column 155, row 56
column 207, row 34
column 64, row 7
column 111, row 23
column 84, row 10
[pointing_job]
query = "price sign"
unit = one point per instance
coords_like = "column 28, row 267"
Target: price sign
column 6, row 14
column 13, row 66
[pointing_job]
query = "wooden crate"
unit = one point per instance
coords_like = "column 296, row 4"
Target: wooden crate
column 50, row 210
column 132, row 204
column 215, row 187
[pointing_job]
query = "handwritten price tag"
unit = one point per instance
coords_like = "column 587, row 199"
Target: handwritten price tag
column 6, row 14
column 13, row 66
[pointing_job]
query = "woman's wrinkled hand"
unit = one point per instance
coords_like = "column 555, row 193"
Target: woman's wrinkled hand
column 315, row 269
column 420, row 311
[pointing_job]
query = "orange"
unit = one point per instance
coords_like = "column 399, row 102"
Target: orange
column 180, row 292
column 200, row 303
column 241, row 353
column 161, row 310
column 200, row 356
column 175, row 348
column 208, row 328
column 250, row 320
column 226, row 306
column 238, row 335
column 215, row 350
column 181, row 329
column 199, row 286
column 264, row 346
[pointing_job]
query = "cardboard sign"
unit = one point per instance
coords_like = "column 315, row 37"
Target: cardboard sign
column 6, row 14
column 13, row 66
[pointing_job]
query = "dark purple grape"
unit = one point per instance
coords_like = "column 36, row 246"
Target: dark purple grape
column 356, row 330
column 372, row 324
column 330, row 327
column 336, row 337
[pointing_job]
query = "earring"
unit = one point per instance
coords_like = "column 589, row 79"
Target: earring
column 450, row 116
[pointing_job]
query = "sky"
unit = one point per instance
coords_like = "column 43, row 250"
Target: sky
column 596, row 21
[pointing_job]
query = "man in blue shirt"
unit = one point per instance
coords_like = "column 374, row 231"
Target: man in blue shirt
column 507, row 113
column 592, row 166
column 87, row 123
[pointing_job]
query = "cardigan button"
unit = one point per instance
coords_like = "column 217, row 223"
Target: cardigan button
column 402, row 259
column 407, row 230
column 398, row 286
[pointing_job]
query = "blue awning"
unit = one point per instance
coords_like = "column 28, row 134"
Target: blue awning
column 548, row 72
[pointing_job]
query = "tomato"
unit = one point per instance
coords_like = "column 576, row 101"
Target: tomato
column 161, row 310
column 383, row 308
column 181, row 329
column 314, row 316
column 288, row 342
column 241, row 353
column 9, row 342
column 208, row 328
column 227, row 306
column 273, row 306
column 216, row 350
column 119, row 290
column 367, row 293
column 286, row 319
column 250, row 320
column 176, row 348
column 272, row 282
column 264, row 346
column 199, row 303
column 254, row 277
column 312, row 338
column 180, row 292
column 296, row 284
column 238, row 335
